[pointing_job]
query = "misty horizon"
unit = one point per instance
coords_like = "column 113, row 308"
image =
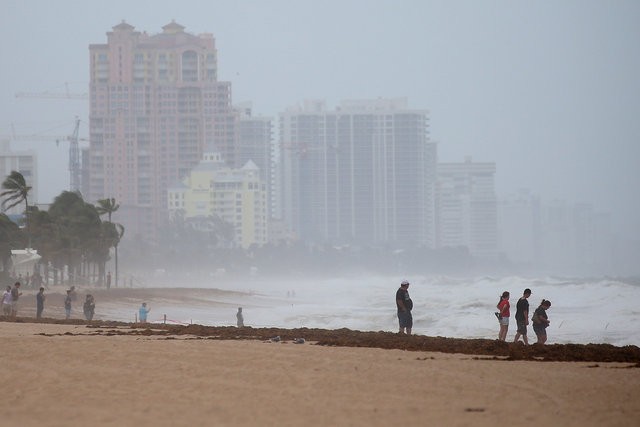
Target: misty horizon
column 546, row 91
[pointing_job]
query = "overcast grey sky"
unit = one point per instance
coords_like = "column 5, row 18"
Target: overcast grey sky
column 549, row 90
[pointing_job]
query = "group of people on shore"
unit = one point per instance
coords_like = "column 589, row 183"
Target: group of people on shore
column 12, row 295
column 540, row 319
column 10, row 300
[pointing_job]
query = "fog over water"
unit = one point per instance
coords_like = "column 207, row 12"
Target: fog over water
column 582, row 311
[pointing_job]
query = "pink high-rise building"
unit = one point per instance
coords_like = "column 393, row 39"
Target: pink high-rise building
column 156, row 106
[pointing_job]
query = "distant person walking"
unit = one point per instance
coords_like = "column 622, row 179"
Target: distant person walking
column 142, row 312
column 67, row 304
column 40, row 297
column 240, row 318
column 522, row 316
column 89, row 307
column 540, row 321
column 15, row 295
column 404, row 305
column 109, row 280
column 6, row 302
column 504, row 314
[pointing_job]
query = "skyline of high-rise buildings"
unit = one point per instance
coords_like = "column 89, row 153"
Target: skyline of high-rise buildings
column 360, row 174
column 364, row 173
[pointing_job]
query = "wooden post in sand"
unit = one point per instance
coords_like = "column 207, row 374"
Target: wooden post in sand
column 165, row 319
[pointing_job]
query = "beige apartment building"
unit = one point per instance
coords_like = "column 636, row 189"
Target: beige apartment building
column 156, row 106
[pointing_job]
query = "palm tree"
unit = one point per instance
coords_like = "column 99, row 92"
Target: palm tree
column 15, row 192
column 9, row 239
column 109, row 206
column 79, row 226
column 120, row 230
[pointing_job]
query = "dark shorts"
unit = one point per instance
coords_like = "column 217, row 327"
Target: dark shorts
column 522, row 326
column 405, row 319
column 540, row 330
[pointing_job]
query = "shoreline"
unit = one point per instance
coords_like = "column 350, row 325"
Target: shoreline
column 494, row 349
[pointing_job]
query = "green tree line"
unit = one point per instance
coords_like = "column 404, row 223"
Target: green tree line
column 70, row 235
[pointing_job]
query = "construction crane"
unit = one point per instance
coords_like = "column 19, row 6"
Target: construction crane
column 74, row 150
column 33, row 137
column 74, row 158
column 54, row 95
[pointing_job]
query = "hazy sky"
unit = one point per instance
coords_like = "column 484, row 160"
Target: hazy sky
column 549, row 90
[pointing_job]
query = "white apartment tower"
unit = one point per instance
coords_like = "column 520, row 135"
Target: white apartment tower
column 467, row 207
column 255, row 143
column 361, row 174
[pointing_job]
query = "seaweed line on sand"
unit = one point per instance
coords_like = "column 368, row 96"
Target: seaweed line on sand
column 496, row 350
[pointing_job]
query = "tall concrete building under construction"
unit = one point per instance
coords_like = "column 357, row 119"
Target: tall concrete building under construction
column 156, row 106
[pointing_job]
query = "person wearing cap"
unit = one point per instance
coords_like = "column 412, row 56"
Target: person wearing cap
column 522, row 317
column 405, row 305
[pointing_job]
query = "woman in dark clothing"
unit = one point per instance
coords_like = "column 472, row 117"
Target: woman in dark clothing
column 540, row 321
column 89, row 307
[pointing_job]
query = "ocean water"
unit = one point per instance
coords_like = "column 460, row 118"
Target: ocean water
column 583, row 310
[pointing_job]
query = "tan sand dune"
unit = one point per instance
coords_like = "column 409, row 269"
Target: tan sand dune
column 66, row 375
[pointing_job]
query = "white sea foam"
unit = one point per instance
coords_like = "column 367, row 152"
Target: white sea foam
column 583, row 311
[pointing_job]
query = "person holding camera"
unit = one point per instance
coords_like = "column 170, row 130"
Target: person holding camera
column 503, row 315
column 540, row 321
column 405, row 305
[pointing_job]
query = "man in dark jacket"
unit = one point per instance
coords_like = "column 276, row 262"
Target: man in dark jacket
column 405, row 305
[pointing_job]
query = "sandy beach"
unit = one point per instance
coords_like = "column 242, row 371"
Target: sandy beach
column 118, row 375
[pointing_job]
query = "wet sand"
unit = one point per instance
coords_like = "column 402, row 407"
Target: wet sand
column 115, row 374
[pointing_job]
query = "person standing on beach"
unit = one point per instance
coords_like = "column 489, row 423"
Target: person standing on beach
column 404, row 305
column 6, row 302
column 142, row 312
column 67, row 304
column 15, row 295
column 240, row 318
column 40, row 297
column 109, row 280
column 522, row 316
column 503, row 310
column 89, row 307
column 540, row 321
